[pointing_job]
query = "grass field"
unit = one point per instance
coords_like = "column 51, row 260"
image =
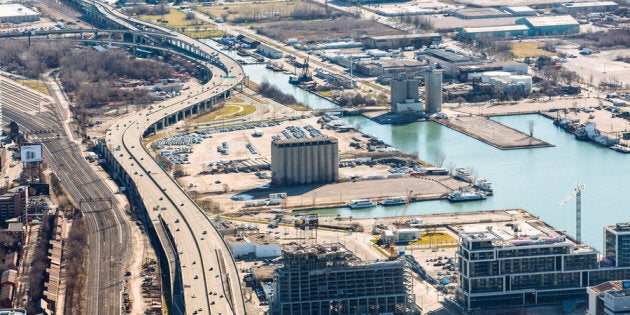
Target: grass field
column 176, row 20
column 259, row 11
column 228, row 111
column 36, row 85
column 522, row 50
column 435, row 238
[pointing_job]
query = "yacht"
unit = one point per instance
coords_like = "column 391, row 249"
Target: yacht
column 463, row 174
column 393, row 201
column 484, row 185
column 465, row 195
column 362, row 203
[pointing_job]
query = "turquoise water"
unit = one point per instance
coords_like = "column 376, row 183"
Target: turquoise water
column 532, row 179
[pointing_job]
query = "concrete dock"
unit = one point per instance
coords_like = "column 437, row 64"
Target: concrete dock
column 491, row 132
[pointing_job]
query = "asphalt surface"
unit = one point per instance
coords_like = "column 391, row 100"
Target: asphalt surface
column 108, row 232
column 206, row 263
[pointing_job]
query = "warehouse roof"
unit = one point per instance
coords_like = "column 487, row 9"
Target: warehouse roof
column 542, row 21
column 488, row 29
column 401, row 36
column 14, row 9
column 590, row 4
column 520, row 9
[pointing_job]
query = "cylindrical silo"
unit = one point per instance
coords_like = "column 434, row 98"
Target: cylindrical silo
column 433, row 90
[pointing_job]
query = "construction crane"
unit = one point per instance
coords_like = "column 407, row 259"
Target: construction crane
column 392, row 250
column 577, row 192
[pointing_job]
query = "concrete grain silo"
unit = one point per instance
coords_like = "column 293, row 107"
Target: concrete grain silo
column 304, row 161
column 433, row 90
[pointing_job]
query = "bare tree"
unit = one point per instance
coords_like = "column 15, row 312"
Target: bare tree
column 438, row 158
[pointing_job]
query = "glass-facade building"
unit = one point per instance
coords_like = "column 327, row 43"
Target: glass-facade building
column 502, row 267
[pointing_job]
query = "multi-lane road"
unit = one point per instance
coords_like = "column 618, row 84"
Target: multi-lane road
column 108, row 231
column 211, row 283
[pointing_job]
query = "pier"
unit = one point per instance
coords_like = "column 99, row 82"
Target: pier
column 491, row 132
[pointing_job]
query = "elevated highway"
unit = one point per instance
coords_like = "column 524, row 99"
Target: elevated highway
column 200, row 260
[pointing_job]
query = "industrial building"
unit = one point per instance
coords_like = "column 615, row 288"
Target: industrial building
column 525, row 264
column 402, row 41
column 520, row 11
column 585, row 7
column 389, row 67
column 494, row 31
column 269, row 51
column 404, row 95
column 433, row 90
column 550, row 25
column 17, row 13
column 617, row 244
column 480, row 13
column 329, row 279
column 609, row 298
column 257, row 245
column 304, row 161
column 527, row 26
column 467, row 72
column 447, row 60
column 505, row 81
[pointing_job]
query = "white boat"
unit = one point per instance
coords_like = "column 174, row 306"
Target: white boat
column 485, row 185
column 463, row 174
column 393, row 201
column 361, row 203
column 465, row 195
column 621, row 148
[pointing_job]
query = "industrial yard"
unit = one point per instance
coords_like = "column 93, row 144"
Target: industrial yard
column 232, row 168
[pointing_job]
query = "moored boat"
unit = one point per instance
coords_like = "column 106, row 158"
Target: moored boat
column 484, row 185
column 463, row 174
column 393, row 201
column 465, row 195
column 361, row 203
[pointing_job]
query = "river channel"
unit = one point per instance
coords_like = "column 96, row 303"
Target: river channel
column 532, row 179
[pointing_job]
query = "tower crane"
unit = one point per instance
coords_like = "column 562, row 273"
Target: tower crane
column 577, row 192
column 392, row 252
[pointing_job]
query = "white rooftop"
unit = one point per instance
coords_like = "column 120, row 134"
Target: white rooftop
column 539, row 21
column 14, row 9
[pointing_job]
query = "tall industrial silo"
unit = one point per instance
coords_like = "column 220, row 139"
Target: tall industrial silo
column 433, row 90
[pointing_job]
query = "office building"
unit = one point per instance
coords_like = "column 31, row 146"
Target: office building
column 12, row 204
column 329, row 279
column 617, row 244
column 525, row 264
column 304, row 161
column 609, row 298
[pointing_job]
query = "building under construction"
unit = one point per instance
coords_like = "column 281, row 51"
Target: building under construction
column 329, row 279
column 304, row 161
